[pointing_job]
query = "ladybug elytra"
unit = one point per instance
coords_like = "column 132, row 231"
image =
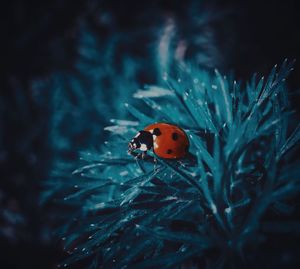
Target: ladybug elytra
column 167, row 141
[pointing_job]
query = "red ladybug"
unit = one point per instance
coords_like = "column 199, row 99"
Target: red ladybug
column 167, row 141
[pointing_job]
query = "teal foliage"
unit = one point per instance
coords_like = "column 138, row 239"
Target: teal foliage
column 130, row 214
column 110, row 67
column 91, row 91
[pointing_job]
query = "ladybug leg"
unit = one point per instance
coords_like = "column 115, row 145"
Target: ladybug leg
column 134, row 154
column 138, row 156
column 141, row 155
column 130, row 152
column 155, row 163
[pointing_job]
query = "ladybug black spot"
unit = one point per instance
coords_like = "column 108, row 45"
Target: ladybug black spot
column 187, row 148
column 157, row 132
column 169, row 151
column 174, row 136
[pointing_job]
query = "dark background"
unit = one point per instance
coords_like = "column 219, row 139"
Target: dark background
column 38, row 38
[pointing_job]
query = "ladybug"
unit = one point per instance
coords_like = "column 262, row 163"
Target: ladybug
column 167, row 141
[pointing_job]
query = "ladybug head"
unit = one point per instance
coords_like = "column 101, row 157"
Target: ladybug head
column 133, row 144
column 143, row 141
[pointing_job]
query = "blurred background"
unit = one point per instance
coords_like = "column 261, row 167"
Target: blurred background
column 67, row 68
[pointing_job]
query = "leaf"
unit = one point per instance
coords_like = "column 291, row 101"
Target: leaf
column 207, row 158
column 168, row 260
column 182, row 237
column 227, row 109
column 181, row 174
column 138, row 115
column 291, row 141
